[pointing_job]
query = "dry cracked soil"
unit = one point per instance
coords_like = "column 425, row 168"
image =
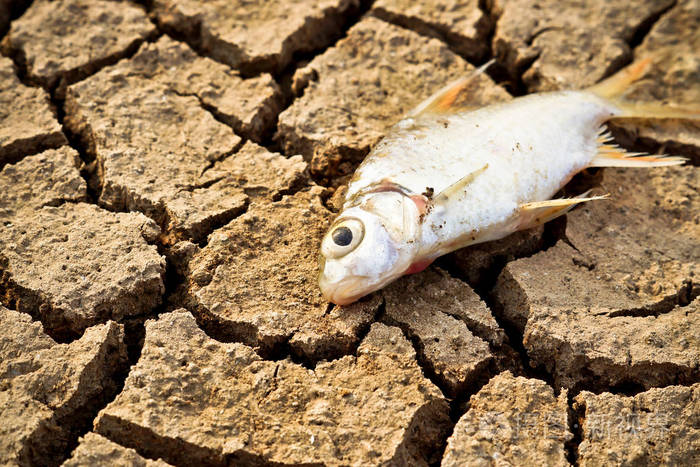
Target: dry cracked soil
column 168, row 168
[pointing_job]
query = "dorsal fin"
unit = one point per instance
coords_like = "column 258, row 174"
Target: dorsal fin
column 442, row 102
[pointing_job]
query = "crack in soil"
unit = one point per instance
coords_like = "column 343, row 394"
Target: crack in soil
column 269, row 349
column 683, row 296
column 627, row 138
column 576, row 418
column 284, row 78
column 158, row 212
column 213, row 162
column 499, row 72
column 15, row 297
column 442, row 33
column 496, row 71
column 645, row 27
column 229, row 120
column 17, row 9
column 56, row 92
column 636, row 38
column 80, row 422
column 553, row 232
column 430, row 374
column 89, row 168
column 260, row 66
column 134, row 335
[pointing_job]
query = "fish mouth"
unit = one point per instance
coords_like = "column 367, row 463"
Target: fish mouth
column 344, row 291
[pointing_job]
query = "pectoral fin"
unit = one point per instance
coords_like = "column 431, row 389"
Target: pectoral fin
column 443, row 101
column 539, row 212
column 457, row 188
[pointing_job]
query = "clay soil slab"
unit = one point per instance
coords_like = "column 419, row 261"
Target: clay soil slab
column 76, row 265
column 60, row 42
column 514, row 421
column 254, row 36
column 462, row 24
column 220, row 403
column 355, row 90
column 656, row 427
column 568, row 44
column 257, row 279
column 439, row 314
column 611, row 305
column 46, row 388
column 97, row 450
column 27, row 122
column 49, row 178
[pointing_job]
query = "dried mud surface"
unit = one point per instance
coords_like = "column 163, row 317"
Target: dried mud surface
column 168, row 168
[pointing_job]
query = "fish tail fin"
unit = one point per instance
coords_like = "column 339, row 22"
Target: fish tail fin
column 613, row 89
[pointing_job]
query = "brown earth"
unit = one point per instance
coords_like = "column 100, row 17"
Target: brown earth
column 168, row 168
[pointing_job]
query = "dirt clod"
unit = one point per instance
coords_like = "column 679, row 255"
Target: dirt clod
column 271, row 297
column 441, row 314
column 513, row 421
column 27, row 123
column 152, row 124
column 98, row 450
column 46, row 387
column 69, row 263
column 659, row 427
column 463, row 24
column 568, row 44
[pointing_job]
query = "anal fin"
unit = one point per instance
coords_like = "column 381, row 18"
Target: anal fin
column 539, row 212
column 611, row 155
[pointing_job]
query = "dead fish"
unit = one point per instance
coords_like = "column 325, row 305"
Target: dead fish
column 444, row 177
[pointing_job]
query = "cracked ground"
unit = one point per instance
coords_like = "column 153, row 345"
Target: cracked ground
column 168, row 168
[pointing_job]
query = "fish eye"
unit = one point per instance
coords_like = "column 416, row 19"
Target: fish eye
column 343, row 238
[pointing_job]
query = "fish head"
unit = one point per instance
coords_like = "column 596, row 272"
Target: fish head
column 369, row 245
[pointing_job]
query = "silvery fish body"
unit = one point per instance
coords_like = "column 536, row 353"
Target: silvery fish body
column 442, row 179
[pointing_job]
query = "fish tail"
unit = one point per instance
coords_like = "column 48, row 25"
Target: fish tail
column 613, row 89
